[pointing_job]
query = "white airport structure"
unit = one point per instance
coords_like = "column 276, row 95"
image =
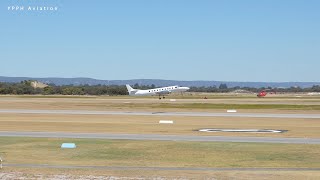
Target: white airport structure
column 68, row 146
column 231, row 111
column 165, row 122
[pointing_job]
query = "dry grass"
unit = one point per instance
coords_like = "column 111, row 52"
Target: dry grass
column 17, row 173
column 97, row 152
column 150, row 124
column 157, row 153
column 271, row 105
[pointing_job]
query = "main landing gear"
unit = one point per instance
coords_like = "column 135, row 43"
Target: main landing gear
column 162, row 97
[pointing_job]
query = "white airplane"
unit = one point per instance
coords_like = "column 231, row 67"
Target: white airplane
column 157, row 91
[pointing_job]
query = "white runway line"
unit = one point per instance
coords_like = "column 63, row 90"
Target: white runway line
column 231, row 111
column 157, row 137
column 190, row 114
column 243, row 130
column 165, row 122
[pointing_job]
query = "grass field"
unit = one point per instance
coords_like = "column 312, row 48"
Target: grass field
column 159, row 154
column 143, row 104
column 186, row 95
column 55, row 174
column 150, row 124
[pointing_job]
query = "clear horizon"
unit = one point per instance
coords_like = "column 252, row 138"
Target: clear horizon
column 166, row 79
column 247, row 41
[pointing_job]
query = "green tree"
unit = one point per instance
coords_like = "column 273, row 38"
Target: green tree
column 223, row 86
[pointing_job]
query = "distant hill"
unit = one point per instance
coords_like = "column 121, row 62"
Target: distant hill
column 157, row 82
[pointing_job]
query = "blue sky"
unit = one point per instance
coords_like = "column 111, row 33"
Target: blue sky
column 229, row 40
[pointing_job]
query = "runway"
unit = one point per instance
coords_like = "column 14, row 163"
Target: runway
column 190, row 114
column 161, row 137
column 157, row 168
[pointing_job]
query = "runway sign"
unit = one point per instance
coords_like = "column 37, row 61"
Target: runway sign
column 172, row 100
column 68, row 145
column 243, row 130
column 165, row 122
column 231, row 110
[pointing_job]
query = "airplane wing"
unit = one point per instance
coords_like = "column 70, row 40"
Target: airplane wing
column 163, row 92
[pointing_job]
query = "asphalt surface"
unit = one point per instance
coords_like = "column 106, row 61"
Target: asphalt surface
column 198, row 114
column 161, row 137
column 157, row 168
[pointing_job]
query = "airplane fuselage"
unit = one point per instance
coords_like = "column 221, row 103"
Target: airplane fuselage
column 156, row 91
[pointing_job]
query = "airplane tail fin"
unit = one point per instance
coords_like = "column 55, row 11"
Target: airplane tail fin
column 130, row 89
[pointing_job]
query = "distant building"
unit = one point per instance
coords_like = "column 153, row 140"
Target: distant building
column 37, row 84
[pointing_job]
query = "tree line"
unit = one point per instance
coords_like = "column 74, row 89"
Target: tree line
column 223, row 88
column 25, row 87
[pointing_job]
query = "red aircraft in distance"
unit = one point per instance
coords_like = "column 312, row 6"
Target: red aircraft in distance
column 263, row 93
